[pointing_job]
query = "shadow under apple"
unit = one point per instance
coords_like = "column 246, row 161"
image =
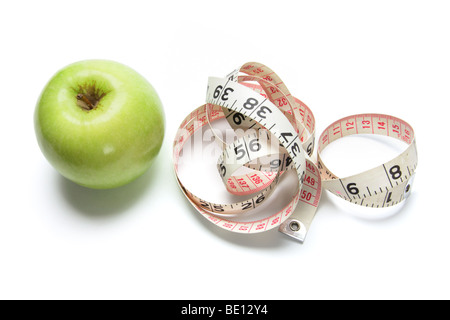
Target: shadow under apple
column 109, row 202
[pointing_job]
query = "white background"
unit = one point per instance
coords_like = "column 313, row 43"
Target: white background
column 144, row 241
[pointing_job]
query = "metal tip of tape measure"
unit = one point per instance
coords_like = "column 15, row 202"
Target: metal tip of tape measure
column 294, row 228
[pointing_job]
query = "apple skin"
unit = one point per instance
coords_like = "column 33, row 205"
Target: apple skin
column 110, row 145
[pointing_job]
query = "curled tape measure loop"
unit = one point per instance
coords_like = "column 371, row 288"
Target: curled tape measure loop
column 382, row 186
column 273, row 134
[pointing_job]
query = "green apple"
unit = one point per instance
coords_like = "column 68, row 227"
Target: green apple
column 99, row 123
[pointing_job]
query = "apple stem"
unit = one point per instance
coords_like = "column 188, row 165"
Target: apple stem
column 84, row 102
column 89, row 96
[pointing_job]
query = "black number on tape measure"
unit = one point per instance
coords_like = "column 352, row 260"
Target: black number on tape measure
column 205, row 204
column 225, row 94
column 351, row 187
column 250, row 103
column 238, row 118
column 218, row 208
column 240, row 152
column 309, row 149
column 319, row 165
column 295, row 148
column 246, row 205
column 223, row 169
column 275, row 163
column 260, row 199
column 262, row 112
column 389, row 197
column 395, row 172
column 217, row 92
column 286, row 134
column 254, row 145
column 288, row 161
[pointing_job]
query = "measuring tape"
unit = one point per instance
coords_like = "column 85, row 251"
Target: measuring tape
column 273, row 135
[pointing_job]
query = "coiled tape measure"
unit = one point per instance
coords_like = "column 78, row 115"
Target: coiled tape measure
column 274, row 134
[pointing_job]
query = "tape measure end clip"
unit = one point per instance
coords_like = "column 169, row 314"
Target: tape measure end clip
column 294, row 228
